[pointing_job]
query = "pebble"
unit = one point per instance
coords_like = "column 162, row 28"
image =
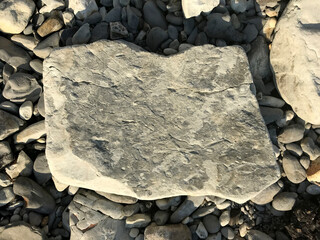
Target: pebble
column 155, row 37
column 293, row 169
column 223, row 205
column 266, row 195
column 305, row 162
column 28, row 42
column 133, row 20
column 9, row 107
column 309, row 147
column 109, row 208
column 172, row 32
column 211, row 223
column 68, row 18
column 6, row 196
column 52, row 5
column 35, row 196
column 257, row 235
column 291, row 133
column 41, row 169
column 83, row 8
column 270, row 101
column 45, row 47
column 201, row 231
column 271, row 115
column 5, row 154
column 203, row 211
column 169, row 51
column 201, row 39
column 139, row 220
column 15, row 218
column 166, row 203
column 36, row 65
column 4, row 180
column 243, row 229
column 9, row 124
column 174, row 44
column 26, row 110
column 284, row 201
column 216, row 236
column 313, row 189
column 224, row 218
column 129, row 210
column 153, row 15
column 21, row 230
column 52, row 24
column 22, row 167
column 93, row 19
column 114, row 15
column 294, row 148
column 117, row 31
column 189, row 205
column 134, row 232
column 35, row 218
column 140, row 237
column 161, row 217
column 167, row 232
column 83, row 35
column 227, row 232
column 184, row 46
column 31, row 133
column 251, row 32
column 171, row 18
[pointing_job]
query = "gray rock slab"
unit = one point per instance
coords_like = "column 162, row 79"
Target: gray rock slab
column 152, row 126
column 296, row 64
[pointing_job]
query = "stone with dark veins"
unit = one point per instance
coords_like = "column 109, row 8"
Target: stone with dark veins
column 137, row 124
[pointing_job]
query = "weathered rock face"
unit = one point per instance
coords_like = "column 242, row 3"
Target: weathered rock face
column 129, row 122
column 192, row 8
column 296, row 63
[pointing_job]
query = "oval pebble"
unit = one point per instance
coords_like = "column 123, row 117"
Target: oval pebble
column 211, row 223
column 26, row 110
column 227, row 232
column 313, row 189
column 284, row 201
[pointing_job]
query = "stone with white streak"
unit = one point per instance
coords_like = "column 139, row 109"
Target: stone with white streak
column 298, row 78
column 147, row 122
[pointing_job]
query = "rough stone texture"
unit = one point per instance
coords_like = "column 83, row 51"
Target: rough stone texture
column 192, row 8
column 154, row 127
column 15, row 15
column 296, row 63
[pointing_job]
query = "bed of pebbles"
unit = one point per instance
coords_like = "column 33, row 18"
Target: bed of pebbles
column 33, row 206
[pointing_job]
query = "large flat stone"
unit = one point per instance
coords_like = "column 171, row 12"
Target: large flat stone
column 129, row 122
column 296, row 63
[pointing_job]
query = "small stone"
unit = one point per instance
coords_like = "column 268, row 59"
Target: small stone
column 271, row 115
column 94, row 18
column 35, row 218
column 45, row 47
column 173, row 32
column 40, row 105
column 184, row 46
column 167, row 232
column 68, row 18
column 313, row 189
column 166, row 203
column 114, row 15
column 131, row 209
column 270, row 101
column 266, row 195
column 291, row 133
column 41, row 169
column 133, row 20
column 9, row 124
column 153, row 15
column 22, row 167
column 227, row 232
column 26, row 110
column 169, row 51
column 240, row 6
column 293, row 169
column 15, row 15
column 305, row 162
column 83, row 35
column 22, row 87
column 201, row 231
column 100, row 31
column 9, row 107
column 52, row 24
column 257, row 235
column 35, row 196
column 224, row 218
column 243, row 229
column 6, row 196
column 36, row 65
column 5, row 154
column 223, row 205
column 134, row 232
column 4, row 180
column 194, row 8
column 83, row 8
column 295, row 149
column 31, row 133
column 117, row 31
column 28, row 42
column 309, row 147
column 139, row 220
column 155, row 37
column 211, row 223
column 284, row 201
column 161, row 217
column 203, row 211
column 15, row 218
column 251, row 32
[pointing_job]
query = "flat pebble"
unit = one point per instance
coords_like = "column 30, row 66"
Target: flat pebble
column 9, row 124
column 35, row 218
column 5, row 154
column 31, row 133
column 153, row 15
column 293, row 169
column 313, row 189
column 186, row 208
column 52, row 24
column 41, row 169
column 134, row 232
column 294, row 148
column 258, row 235
column 291, row 133
column 155, row 37
column 211, row 223
column 117, row 31
column 36, row 65
column 284, row 201
column 309, row 147
column 266, row 195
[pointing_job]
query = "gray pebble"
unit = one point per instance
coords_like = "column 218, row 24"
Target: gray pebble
column 201, row 231
column 173, row 32
column 15, row 218
column 133, row 20
column 171, row 18
column 184, row 46
column 293, row 169
column 305, row 162
column 139, row 220
column 41, row 169
column 23, row 166
column 140, row 237
column 9, row 107
column 134, row 232
column 188, row 25
column 155, row 37
column 161, row 217
column 186, row 208
column 284, row 201
column 114, row 15
column 266, row 195
column 36, row 65
column 291, row 133
column 192, row 37
column 313, row 189
column 5, row 154
column 270, row 101
column 45, row 47
column 251, row 32
column 100, row 31
column 223, row 205
column 5, row 180
column 211, row 223
column 117, row 31
column 35, row 218
column 271, row 115
column 6, row 196
column 227, row 232
column 83, row 35
column 153, row 15
column 203, row 211
column 169, row 51
column 201, row 39
column 295, row 149
column 26, row 110
column 309, row 147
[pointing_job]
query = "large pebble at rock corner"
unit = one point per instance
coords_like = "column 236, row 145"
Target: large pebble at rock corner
column 194, row 171
column 298, row 79
column 15, row 15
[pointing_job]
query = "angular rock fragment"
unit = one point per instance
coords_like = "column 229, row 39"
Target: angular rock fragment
column 154, row 127
column 9, row 124
column 298, row 78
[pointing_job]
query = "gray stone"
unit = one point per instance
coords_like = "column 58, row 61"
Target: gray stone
column 28, row 42
column 251, row 32
column 45, row 47
column 118, row 198
column 134, row 166
column 20, row 230
column 83, row 8
column 5, row 154
column 201, row 231
column 271, row 115
column 257, row 235
column 83, row 34
column 129, row 210
column 298, row 82
column 117, row 31
column 22, row 167
column 9, row 124
column 13, row 54
column 5, row 181
column 36, row 198
column 94, row 18
column 240, row 6
column 153, row 15
column 293, row 169
column 133, row 20
column 266, row 195
column 313, row 189
column 211, row 223
column 167, row 232
column 15, row 15
column 35, row 218
column 114, row 15
column 203, row 211
column 227, row 232
column 309, row 147
column 31, row 133
column 100, row 31
column 22, row 87
column 186, row 208
column 284, row 201
column 111, row 209
column 291, row 133
column 166, row 203
column 138, row 220
column 155, row 37
column 6, row 196
column 9, row 107
column 52, row 5
column 295, row 149
column 161, row 217
column 193, row 8
column 41, row 169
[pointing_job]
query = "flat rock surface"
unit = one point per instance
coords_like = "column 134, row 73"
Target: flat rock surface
column 147, row 126
column 296, row 64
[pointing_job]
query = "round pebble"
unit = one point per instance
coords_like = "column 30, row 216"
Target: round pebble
column 284, row 201
column 134, row 232
column 211, row 223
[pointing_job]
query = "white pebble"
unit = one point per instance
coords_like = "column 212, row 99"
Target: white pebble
column 26, row 110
